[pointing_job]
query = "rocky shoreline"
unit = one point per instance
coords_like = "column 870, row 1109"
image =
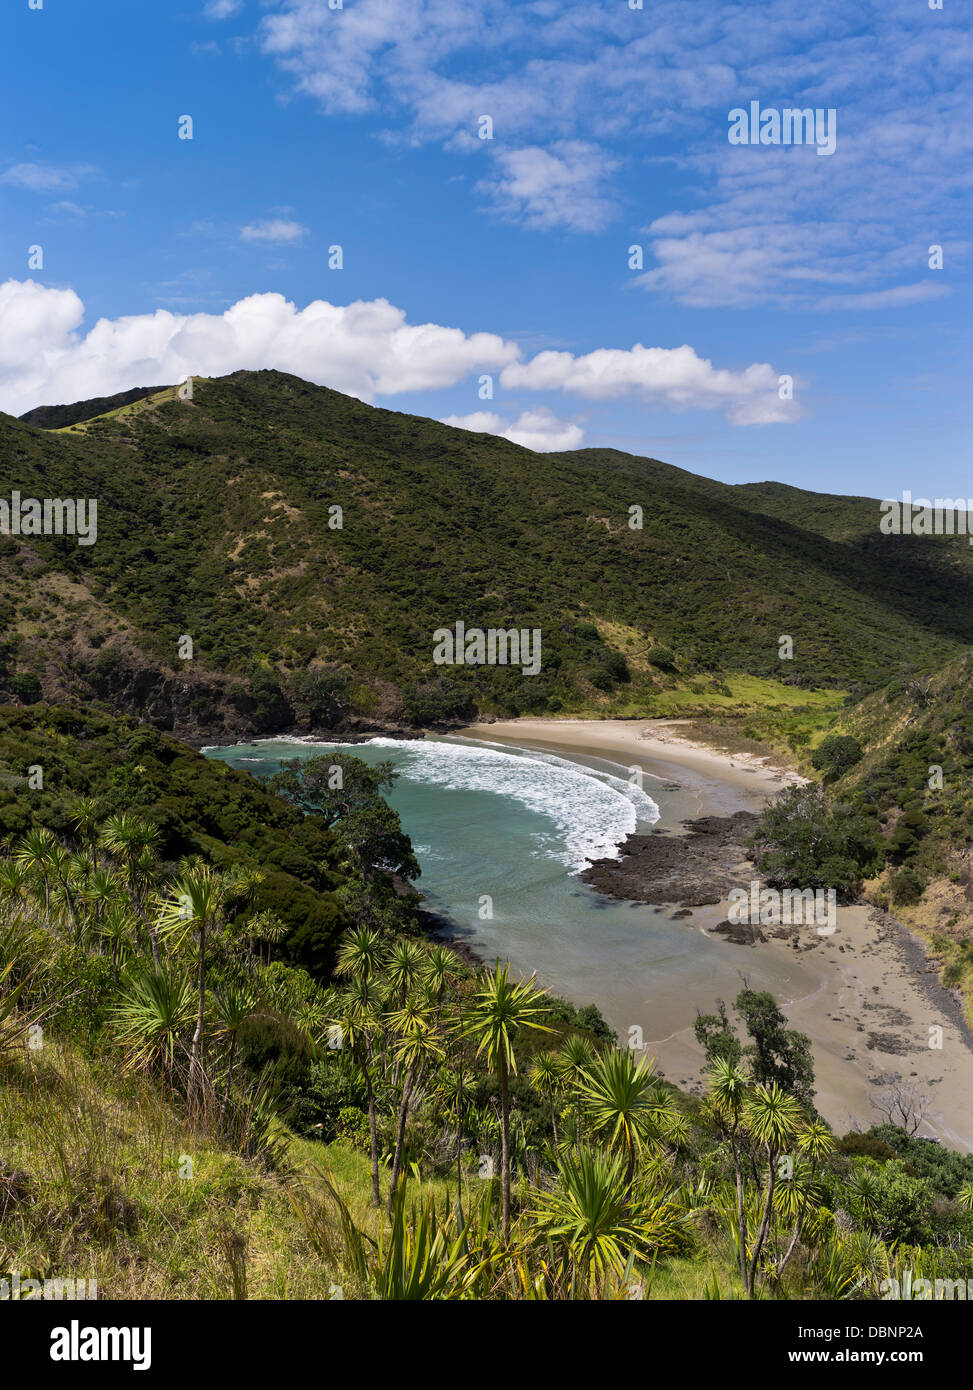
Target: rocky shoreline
column 695, row 868
column 698, row 866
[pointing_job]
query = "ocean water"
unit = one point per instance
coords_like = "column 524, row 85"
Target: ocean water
column 500, row 834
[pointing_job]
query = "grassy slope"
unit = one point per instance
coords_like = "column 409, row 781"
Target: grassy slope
column 93, row 1161
column 91, row 1181
column 213, row 522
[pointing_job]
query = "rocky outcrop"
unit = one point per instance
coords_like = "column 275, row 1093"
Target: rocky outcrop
column 693, row 869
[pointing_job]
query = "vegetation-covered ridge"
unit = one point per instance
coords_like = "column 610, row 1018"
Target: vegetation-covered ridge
column 219, row 521
column 902, row 761
column 187, row 1110
column 176, row 804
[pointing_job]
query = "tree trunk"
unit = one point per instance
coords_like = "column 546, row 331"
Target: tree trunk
column 764, row 1224
column 195, row 1057
column 505, row 1146
column 229, row 1070
column 400, row 1133
column 459, row 1156
column 741, row 1219
column 372, row 1132
column 71, row 912
column 798, row 1225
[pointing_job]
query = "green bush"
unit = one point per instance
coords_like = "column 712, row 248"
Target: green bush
column 804, row 840
column 906, row 887
column 663, row 658
column 836, row 755
column 26, row 687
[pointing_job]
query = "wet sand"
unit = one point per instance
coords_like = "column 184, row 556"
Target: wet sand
column 864, row 995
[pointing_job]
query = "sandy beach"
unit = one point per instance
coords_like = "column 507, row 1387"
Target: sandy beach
column 876, row 1014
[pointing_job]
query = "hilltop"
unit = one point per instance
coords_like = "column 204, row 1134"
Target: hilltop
column 310, row 545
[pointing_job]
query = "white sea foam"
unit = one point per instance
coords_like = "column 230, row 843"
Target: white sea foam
column 592, row 811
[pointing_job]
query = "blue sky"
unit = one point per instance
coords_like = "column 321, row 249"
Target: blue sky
column 359, row 127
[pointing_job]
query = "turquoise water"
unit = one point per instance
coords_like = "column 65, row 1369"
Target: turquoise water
column 505, row 829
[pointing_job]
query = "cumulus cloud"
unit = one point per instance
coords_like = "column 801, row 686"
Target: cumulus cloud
column 366, row 349
column 539, row 430
column 275, row 231
column 676, row 377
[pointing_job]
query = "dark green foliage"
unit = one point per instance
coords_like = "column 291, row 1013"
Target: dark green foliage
column 332, row 785
column 716, row 1037
column 332, row 1085
column 347, row 794
column 586, row 1019
column 429, row 703
column 26, row 687
column 776, row 1054
column 906, row 887
column 322, row 693
column 662, row 657
column 803, row 840
column 907, row 1206
column 200, row 806
column 947, row 1169
column 214, row 520
column 857, row 1145
column 270, row 1045
column 836, row 755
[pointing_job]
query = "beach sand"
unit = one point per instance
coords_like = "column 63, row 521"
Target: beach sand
column 873, row 1006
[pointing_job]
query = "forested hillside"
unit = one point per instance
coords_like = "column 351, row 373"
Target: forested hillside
column 310, row 545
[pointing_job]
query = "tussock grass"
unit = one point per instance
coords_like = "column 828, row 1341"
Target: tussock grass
column 104, row 1180
column 91, row 1188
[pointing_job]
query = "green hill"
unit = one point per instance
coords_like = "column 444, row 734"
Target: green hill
column 915, row 780
column 217, row 521
column 199, row 807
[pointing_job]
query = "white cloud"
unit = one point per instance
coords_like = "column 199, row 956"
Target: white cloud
column 560, row 186
column 764, row 226
column 222, row 9
column 676, row 377
column 480, row 422
column 275, row 231
column 893, row 298
column 366, row 349
column 45, row 178
column 539, row 430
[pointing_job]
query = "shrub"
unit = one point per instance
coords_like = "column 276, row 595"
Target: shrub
column 617, row 667
column 865, row 1146
column 804, row 840
column 26, row 687
column 906, row 887
column 352, row 1128
column 663, row 658
column 836, row 755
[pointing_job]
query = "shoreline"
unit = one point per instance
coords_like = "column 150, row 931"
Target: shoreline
column 874, row 998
